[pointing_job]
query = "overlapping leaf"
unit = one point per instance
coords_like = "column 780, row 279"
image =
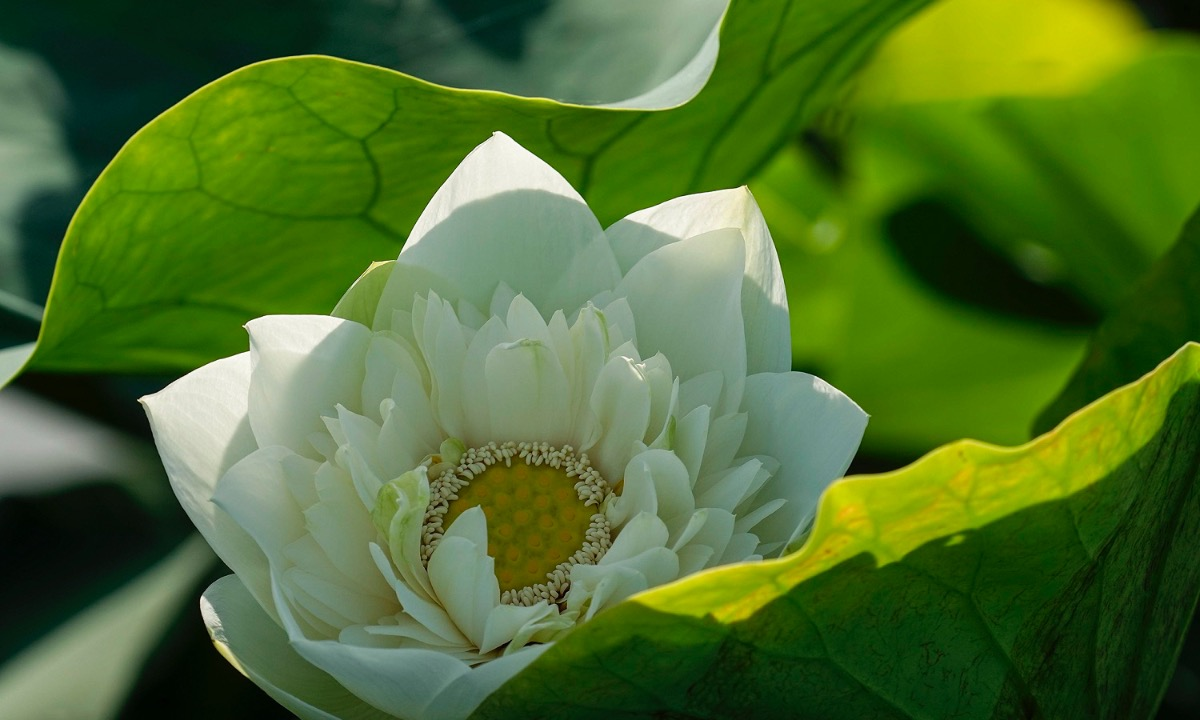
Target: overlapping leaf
column 1159, row 314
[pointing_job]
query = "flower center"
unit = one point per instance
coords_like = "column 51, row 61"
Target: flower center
column 542, row 506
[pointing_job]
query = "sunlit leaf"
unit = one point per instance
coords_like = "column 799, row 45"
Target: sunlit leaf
column 986, row 48
column 1083, row 191
column 1053, row 579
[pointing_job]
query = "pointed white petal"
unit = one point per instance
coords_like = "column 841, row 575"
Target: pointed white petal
column 302, row 366
column 527, row 393
column 444, row 343
column 525, row 322
column 463, row 576
column 620, row 403
column 201, row 429
column 764, row 302
column 477, row 416
column 812, row 429
column 691, row 436
column 252, row 642
column 644, row 532
column 725, row 435
column 505, row 621
column 504, row 215
column 686, row 297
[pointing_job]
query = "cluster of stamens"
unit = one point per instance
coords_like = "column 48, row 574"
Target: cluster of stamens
column 590, row 488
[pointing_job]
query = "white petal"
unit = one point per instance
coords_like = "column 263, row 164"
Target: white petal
column 463, row 576
column 444, row 343
column 201, row 428
column 715, row 533
column 726, row 490
column 255, row 645
column 527, row 393
column 386, row 356
column 460, row 698
column 505, row 621
column 525, row 322
column 477, row 418
column 419, row 608
column 644, row 532
column 661, row 381
column 726, row 435
column 343, row 529
column 399, row 681
column 764, row 302
column 691, row 436
column 812, row 429
column 620, row 403
column 302, row 366
column 686, row 297
column 611, row 583
column 504, row 216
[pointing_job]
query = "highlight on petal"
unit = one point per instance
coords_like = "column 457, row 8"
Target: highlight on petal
column 686, row 298
column 764, row 301
column 504, row 216
column 813, row 430
column 201, row 428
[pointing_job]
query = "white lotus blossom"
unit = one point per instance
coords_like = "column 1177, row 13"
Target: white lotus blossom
column 521, row 421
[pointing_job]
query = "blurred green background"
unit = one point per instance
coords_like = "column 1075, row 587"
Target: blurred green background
column 992, row 186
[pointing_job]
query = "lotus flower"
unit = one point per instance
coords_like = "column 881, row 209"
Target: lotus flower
column 521, row 421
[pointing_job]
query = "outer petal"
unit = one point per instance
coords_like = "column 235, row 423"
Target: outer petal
column 812, row 429
column 201, row 427
column 259, row 648
column 398, row 681
column 460, row 698
column 686, row 297
column 504, row 216
column 302, row 367
column 764, row 302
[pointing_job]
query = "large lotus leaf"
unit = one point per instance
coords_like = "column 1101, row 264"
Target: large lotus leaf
column 273, row 188
column 1083, row 191
column 1051, row 580
column 1160, row 313
column 627, row 52
column 929, row 370
column 988, row 48
column 950, row 281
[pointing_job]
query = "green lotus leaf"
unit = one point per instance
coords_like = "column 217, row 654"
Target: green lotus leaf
column 950, row 277
column 1160, row 313
column 1054, row 579
column 271, row 189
